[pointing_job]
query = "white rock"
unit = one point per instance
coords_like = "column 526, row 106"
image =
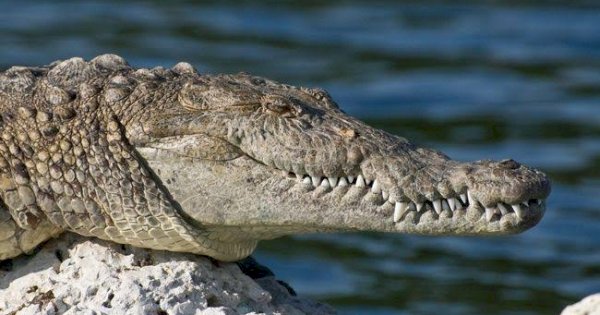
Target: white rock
column 77, row 275
column 588, row 306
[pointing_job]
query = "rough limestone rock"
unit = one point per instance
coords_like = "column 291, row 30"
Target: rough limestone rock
column 588, row 306
column 77, row 275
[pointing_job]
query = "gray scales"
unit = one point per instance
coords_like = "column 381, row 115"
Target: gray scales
column 210, row 164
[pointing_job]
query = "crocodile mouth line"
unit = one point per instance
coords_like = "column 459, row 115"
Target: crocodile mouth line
column 448, row 207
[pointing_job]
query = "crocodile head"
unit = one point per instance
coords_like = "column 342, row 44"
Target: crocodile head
column 246, row 158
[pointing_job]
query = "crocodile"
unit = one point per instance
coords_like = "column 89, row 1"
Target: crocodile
column 173, row 159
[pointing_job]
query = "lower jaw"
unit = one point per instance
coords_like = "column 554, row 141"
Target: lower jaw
column 464, row 222
column 374, row 213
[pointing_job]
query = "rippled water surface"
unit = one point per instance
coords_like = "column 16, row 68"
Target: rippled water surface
column 476, row 79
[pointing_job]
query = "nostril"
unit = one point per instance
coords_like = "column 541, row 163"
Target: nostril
column 509, row 164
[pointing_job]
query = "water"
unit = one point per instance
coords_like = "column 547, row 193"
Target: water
column 476, row 79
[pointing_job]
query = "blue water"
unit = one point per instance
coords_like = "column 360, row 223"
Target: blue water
column 475, row 79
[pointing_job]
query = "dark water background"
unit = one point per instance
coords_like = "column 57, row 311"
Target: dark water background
column 476, row 79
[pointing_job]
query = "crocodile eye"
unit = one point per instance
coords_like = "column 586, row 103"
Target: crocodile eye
column 279, row 108
column 278, row 105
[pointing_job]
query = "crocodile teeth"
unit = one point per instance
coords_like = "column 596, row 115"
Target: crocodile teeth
column 315, row 180
column 437, row 206
column 518, row 211
column 489, row 213
column 376, row 189
column 445, row 205
column 333, row 181
column 503, row 209
column 452, row 203
column 420, row 206
column 360, row 181
column 399, row 210
column 470, row 197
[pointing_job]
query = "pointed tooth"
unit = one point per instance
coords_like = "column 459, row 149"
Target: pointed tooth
column 350, row 179
column 445, row 205
column 360, row 181
column 307, row 180
column 325, row 183
column 470, row 197
column 399, row 210
column 463, row 197
column 437, row 206
column 489, row 214
column 518, row 211
column 525, row 204
column 539, row 202
column 315, row 180
column 343, row 182
column 333, row 181
column 385, row 195
column 452, row 203
column 368, row 182
column 376, row 189
column 420, row 206
column 503, row 208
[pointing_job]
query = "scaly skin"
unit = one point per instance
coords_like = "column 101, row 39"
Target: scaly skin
column 210, row 164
